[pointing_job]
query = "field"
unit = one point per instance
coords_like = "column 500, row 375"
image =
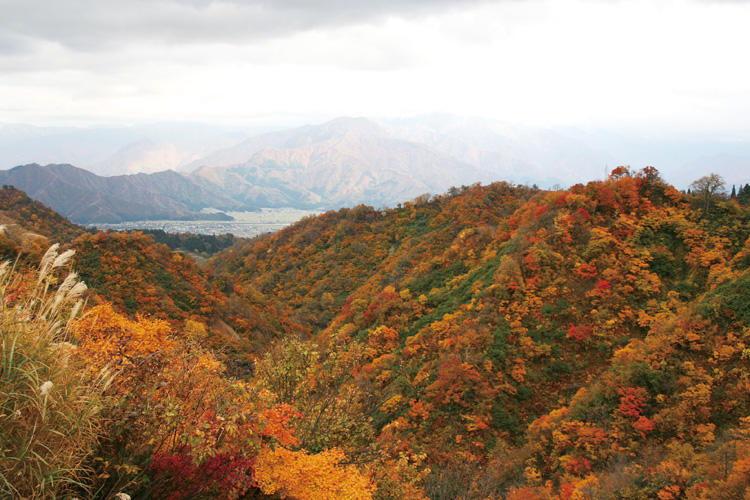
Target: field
column 245, row 224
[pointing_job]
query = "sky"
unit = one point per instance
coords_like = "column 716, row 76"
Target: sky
column 669, row 65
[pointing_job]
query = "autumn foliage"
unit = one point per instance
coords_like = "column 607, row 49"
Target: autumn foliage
column 493, row 342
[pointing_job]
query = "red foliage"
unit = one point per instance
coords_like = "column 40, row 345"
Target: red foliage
column 633, row 401
column 176, row 477
column 603, row 285
column 619, row 172
column 644, row 425
column 587, row 271
column 603, row 288
column 607, row 199
column 566, row 490
column 579, row 333
column 578, row 466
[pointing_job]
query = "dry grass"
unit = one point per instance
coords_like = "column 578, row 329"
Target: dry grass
column 48, row 401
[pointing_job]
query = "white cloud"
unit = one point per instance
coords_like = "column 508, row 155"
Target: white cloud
column 677, row 63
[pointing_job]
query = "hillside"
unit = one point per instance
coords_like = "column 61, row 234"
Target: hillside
column 128, row 270
column 520, row 335
column 85, row 197
column 495, row 341
column 29, row 226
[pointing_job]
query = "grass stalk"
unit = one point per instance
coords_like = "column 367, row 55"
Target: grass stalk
column 48, row 400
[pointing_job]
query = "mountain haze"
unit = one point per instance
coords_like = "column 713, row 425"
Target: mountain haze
column 113, row 150
column 344, row 162
column 518, row 153
column 340, row 163
column 85, row 197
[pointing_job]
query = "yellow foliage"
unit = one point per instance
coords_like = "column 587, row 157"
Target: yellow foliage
column 108, row 337
column 195, row 330
column 519, row 370
column 302, row 476
column 392, row 404
column 588, row 489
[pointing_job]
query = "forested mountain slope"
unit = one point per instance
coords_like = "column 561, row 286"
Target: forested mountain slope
column 129, row 270
column 557, row 335
column 493, row 342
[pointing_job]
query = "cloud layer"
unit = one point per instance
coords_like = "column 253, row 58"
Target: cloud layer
column 640, row 63
column 91, row 25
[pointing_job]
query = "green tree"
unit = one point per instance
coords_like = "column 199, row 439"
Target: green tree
column 743, row 196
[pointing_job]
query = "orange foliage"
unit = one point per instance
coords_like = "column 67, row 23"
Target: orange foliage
column 321, row 476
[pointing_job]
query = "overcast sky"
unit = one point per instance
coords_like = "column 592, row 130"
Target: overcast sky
column 680, row 65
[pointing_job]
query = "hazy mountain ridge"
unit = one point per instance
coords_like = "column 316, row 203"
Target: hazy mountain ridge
column 114, row 150
column 521, row 154
column 85, row 197
column 146, row 155
column 344, row 162
column 341, row 163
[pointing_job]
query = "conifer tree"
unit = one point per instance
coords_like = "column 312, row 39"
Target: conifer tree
column 743, row 197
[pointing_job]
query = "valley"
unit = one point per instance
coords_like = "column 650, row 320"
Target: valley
column 243, row 225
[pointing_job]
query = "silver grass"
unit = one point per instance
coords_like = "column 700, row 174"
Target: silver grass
column 46, row 264
column 76, row 307
column 67, row 284
column 63, row 259
column 4, row 267
column 76, row 292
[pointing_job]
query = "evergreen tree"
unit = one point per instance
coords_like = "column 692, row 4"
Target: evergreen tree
column 743, row 197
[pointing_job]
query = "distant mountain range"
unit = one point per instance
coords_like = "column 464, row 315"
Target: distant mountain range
column 340, row 163
column 174, row 170
column 344, row 162
column 84, row 197
column 114, row 150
